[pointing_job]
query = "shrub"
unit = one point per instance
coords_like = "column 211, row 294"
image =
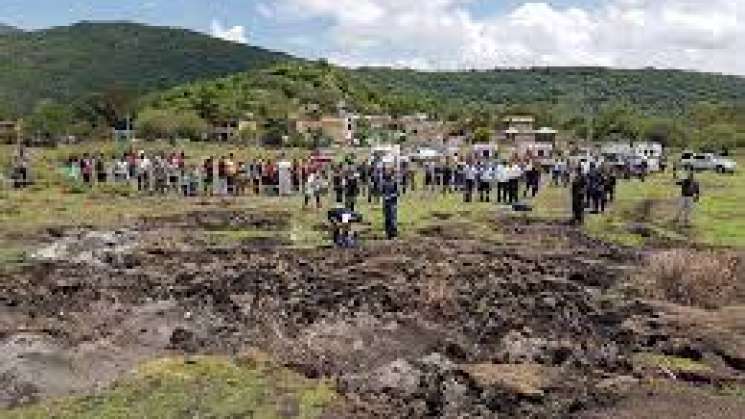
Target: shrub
column 706, row 279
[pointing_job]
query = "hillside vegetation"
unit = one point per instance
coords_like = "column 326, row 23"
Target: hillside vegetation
column 83, row 79
column 68, row 63
column 659, row 91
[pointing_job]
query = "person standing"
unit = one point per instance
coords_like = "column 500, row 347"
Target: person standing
column 100, row 167
column 338, row 183
column 86, row 168
column 500, row 173
column 231, row 171
column 351, row 190
column 579, row 186
column 532, row 181
column 404, row 173
column 690, row 194
column 513, row 186
column 313, row 189
column 390, row 205
column 485, row 181
column 144, row 169
column 610, row 185
column 447, row 176
column 208, row 176
column 469, row 174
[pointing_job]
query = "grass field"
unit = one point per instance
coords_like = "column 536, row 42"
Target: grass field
column 54, row 202
column 195, row 387
column 643, row 212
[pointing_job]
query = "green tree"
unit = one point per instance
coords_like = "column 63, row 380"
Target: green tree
column 482, row 135
column 665, row 131
column 155, row 124
column 718, row 137
column 189, row 125
column 619, row 120
column 49, row 121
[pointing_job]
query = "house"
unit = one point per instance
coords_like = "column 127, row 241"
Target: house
column 528, row 141
column 230, row 129
column 520, row 129
column 339, row 129
column 484, row 151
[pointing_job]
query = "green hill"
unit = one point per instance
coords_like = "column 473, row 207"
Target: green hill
column 67, row 63
column 663, row 105
column 6, row 29
column 656, row 91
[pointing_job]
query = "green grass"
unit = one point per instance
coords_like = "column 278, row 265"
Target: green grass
column 671, row 363
column 215, row 387
column 719, row 218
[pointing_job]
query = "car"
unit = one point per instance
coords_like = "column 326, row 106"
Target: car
column 707, row 161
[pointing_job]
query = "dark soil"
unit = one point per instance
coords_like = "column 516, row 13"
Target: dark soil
column 403, row 328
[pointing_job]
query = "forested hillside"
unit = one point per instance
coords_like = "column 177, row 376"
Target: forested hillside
column 97, row 74
column 672, row 107
column 666, row 92
column 68, row 63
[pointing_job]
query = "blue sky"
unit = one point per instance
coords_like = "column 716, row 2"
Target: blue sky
column 440, row 34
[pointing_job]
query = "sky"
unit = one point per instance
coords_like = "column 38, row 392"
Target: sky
column 705, row 35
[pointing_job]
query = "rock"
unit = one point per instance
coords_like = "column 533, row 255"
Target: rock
column 455, row 397
column 517, row 348
column 399, row 376
column 619, row 384
column 437, row 361
column 527, row 380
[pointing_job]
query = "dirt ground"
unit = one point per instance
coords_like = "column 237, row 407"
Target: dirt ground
column 534, row 326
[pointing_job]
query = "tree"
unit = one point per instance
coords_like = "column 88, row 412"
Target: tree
column 482, row 135
column 162, row 123
column 49, row 121
column 155, row 124
column 620, row 120
column 665, row 131
column 718, row 137
column 189, row 125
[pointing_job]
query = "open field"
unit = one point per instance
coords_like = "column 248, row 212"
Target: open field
column 115, row 304
column 644, row 212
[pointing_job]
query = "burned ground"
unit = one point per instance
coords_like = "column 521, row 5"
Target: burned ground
column 533, row 326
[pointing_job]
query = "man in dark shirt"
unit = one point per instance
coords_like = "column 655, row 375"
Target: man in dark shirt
column 338, row 185
column 390, row 205
column 690, row 194
column 351, row 190
column 579, row 187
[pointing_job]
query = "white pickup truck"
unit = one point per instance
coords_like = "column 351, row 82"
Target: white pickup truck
column 707, row 161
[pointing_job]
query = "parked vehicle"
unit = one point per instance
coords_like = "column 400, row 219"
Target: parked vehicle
column 707, row 161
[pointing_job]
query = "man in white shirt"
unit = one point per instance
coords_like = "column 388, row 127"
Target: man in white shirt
column 469, row 174
column 485, row 181
column 143, row 172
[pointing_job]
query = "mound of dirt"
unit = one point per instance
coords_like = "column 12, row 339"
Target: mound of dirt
column 437, row 328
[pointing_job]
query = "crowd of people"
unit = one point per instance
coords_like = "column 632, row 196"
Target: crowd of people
column 591, row 186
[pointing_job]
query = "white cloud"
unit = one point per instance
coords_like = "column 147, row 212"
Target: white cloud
column 234, row 34
column 696, row 34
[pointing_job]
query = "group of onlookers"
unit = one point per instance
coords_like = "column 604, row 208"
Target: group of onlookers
column 592, row 186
